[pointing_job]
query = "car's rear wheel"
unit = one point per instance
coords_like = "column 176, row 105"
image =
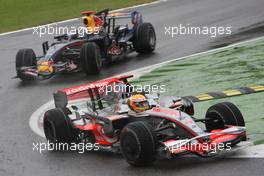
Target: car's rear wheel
column 58, row 128
column 145, row 38
column 90, row 58
column 138, row 143
column 25, row 58
column 222, row 114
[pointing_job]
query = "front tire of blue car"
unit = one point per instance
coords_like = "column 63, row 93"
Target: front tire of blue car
column 25, row 58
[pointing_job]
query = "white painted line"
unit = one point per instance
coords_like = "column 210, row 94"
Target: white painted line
column 75, row 19
column 35, row 120
column 245, row 149
column 255, row 151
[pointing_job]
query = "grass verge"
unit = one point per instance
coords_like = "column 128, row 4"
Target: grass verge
column 18, row 14
column 238, row 66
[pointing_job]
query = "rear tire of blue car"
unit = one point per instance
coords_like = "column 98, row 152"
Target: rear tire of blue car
column 58, row 128
column 25, row 58
column 91, row 61
column 138, row 143
column 145, row 38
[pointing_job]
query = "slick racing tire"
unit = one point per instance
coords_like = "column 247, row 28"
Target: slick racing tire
column 90, row 58
column 222, row 114
column 58, row 128
column 145, row 38
column 25, row 58
column 138, row 143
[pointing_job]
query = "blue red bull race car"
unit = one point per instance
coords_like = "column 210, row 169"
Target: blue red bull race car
column 164, row 127
column 105, row 41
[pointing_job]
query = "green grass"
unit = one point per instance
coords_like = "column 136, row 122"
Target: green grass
column 17, row 14
column 229, row 68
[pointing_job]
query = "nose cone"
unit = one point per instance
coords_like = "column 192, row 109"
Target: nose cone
column 45, row 68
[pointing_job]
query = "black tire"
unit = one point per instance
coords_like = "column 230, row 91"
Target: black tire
column 58, row 128
column 90, row 58
column 138, row 143
column 25, row 58
column 145, row 38
column 225, row 113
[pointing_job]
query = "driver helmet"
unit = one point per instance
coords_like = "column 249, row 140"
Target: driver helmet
column 138, row 103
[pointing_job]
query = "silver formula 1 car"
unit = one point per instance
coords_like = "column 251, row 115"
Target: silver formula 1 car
column 167, row 128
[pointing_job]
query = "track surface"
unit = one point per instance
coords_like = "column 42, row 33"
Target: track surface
column 18, row 101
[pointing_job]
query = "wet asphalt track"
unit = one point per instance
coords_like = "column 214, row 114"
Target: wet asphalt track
column 18, row 101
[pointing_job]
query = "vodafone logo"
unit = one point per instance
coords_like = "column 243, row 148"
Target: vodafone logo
column 84, row 87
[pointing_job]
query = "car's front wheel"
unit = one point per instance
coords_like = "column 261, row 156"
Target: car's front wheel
column 138, row 143
column 222, row 114
column 25, row 58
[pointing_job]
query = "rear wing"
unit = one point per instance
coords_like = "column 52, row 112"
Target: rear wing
column 110, row 18
column 91, row 90
column 136, row 19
